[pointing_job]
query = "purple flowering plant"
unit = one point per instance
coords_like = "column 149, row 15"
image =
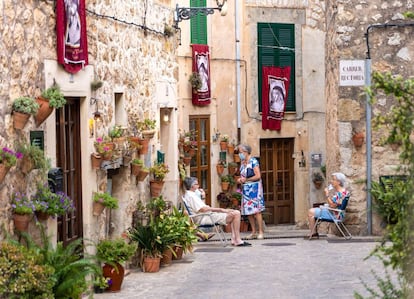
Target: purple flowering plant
column 9, row 157
column 54, row 204
column 22, row 204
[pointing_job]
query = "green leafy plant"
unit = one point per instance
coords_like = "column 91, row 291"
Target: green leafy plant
column 147, row 240
column 24, row 273
column 116, row 131
column 113, row 251
column 317, row 177
column 96, row 84
column 225, row 178
column 224, row 138
column 35, row 154
column 185, row 230
column 237, row 195
column 55, row 96
column 25, row 105
column 8, row 157
column 54, row 204
column 106, row 199
column 137, row 162
column 159, row 171
column 195, row 80
column 146, row 124
column 22, row 204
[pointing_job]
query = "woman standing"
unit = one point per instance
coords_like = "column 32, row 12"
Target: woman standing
column 252, row 203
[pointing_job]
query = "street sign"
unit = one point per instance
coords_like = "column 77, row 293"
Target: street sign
column 351, row 73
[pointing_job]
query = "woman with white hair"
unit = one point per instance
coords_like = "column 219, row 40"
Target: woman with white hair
column 338, row 184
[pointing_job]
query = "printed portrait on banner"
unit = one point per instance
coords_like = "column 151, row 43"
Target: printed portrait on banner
column 277, row 95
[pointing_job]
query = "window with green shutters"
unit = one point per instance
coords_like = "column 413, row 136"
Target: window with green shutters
column 198, row 24
column 276, row 44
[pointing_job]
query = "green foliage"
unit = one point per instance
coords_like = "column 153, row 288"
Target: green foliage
column 195, row 80
column 106, row 199
column 225, row 178
column 21, row 203
column 54, row 204
column 185, row 230
column 25, row 105
column 146, row 124
column 147, row 239
column 156, row 204
column 8, row 157
column 116, row 132
column 317, row 177
column 35, row 154
column 137, row 162
column 23, row 273
column 397, row 124
column 55, row 96
column 71, row 266
column 159, row 171
column 113, row 251
column 237, row 195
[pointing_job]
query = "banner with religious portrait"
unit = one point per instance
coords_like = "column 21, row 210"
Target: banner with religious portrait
column 201, row 65
column 275, row 86
column 72, row 44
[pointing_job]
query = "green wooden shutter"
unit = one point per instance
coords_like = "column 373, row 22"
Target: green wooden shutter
column 198, row 24
column 270, row 38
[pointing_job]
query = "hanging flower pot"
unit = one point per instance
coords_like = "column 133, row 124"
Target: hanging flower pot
column 135, row 168
column 358, row 139
column 97, row 208
column 96, row 161
column 220, row 168
column 156, row 187
column 20, row 120
column 126, row 160
column 236, row 158
column 44, row 110
column 3, row 171
column 143, row 173
column 223, row 146
column 27, row 164
column 21, row 221
column 144, row 146
column 225, row 186
column 230, row 149
column 41, row 216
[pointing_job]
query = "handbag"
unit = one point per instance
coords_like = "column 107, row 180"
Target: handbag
column 249, row 172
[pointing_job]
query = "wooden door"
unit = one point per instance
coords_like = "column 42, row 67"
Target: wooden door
column 200, row 164
column 277, row 170
column 68, row 151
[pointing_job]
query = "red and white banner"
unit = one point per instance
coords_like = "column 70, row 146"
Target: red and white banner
column 201, row 65
column 72, row 44
column 275, row 86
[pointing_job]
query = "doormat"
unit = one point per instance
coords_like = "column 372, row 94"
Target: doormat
column 213, row 250
column 278, row 244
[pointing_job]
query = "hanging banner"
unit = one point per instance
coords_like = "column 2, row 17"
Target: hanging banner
column 72, row 44
column 275, row 86
column 201, row 65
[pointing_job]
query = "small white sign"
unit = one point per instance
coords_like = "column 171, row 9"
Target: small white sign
column 351, row 73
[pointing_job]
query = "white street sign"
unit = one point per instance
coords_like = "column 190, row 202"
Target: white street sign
column 351, row 73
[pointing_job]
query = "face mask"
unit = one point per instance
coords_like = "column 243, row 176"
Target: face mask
column 198, row 193
column 242, row 156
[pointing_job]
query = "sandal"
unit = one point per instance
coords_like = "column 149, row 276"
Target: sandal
column 252, row 236
column 244, row 244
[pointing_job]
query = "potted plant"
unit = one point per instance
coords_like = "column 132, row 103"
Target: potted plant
column 149, row 245
column 116, row 134
column 102, row 200
column 23, row 209
column 185, row 231
column 147, row 128
column 8, row 158
column 101, row 283
column 236, row 198
column 48, row 203
column 223, row 199
column 22, row 108
column 136, row 165
column 233, row 167
column 143, row 173
column 158, row 172
column 104, row 147
column 220, row 167
column 156, row 205
column 225, row 182
column 112, row 253
column 33, row 158
column 195, row 81
column 358, row 138
column 51, row 98
column 224, row 140
column 317, row 179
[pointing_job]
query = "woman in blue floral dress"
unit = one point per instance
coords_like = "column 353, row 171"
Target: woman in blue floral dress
column 252, row 204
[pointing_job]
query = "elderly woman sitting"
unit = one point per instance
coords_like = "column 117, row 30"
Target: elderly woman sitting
column 338, row 183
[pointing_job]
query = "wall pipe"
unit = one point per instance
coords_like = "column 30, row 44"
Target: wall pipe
column 368, row 116
column 238, row 75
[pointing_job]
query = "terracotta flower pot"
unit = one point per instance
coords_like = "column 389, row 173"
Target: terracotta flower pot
column 44, row 111
column 156, row 187
column 3, row 171
column 167, row 256
column 187, row 160
column 142, row 175
column 358, row 139
column 135, row 168
column 144, row 146
column 42, row 216
column 96, row 161
column 98, row 208
column 21, row 221
column 223, row 146
column 26, row 164
column 220, row 168
column 20, row 120
column 178, row 252
column 151, row 264
column 115, row 274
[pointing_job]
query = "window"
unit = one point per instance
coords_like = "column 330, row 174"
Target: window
column 198, row 24
column 276, row 44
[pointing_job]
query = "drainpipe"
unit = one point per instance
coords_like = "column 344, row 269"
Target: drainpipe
column 237, row 40
column 368, row 117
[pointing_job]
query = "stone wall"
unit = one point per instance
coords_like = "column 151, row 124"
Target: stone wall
column 391, row 50
column 128, row 52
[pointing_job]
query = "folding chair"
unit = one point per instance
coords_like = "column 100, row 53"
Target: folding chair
column 336, row 216
column 216, row 226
